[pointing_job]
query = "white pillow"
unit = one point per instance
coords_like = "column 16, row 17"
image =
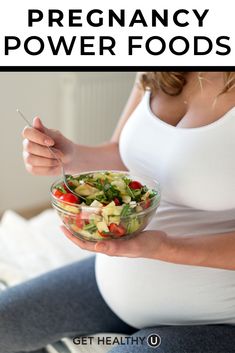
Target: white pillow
column 37, row 245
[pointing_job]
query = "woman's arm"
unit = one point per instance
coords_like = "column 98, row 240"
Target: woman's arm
column 76, row 158
column 214, row 250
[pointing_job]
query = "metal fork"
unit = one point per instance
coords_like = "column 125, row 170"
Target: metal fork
column 55, row 156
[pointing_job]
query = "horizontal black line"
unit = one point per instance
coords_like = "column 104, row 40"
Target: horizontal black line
column 112, row 68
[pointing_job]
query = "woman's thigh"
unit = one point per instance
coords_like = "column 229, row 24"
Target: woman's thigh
column 60, row 303
column 183, row 339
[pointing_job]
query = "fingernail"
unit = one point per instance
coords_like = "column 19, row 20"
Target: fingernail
column 48, row 142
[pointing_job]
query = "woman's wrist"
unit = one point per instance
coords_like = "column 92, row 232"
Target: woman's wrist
column 104, row 156
column 73, row 165
column 170, row 249
column 79, row 159
column 167, row 248
column 155, row 245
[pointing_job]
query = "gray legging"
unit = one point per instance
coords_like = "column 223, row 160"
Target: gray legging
column 66, row 302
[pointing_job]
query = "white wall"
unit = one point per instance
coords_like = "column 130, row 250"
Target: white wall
column 53, row 97
column 92, row 103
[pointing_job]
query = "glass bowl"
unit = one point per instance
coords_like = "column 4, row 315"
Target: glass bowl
column 86, row 222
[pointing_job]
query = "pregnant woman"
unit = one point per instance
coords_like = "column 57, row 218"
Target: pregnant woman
column 176, row 278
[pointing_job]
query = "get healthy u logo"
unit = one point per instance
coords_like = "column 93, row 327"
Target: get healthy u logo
column 153, row 340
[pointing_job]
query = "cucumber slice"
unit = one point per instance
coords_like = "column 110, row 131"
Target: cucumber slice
column 133, row 225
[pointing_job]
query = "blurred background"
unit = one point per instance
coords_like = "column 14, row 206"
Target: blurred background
column 84, row 106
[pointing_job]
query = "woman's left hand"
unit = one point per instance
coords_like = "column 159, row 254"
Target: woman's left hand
column 147, row 244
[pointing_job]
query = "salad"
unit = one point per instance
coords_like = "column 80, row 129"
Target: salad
column 111, row 204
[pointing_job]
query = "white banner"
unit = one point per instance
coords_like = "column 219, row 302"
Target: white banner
column 117, row 33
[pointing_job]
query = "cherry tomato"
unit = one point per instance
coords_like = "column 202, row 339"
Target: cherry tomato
column 71, row 198
column 104, row 234
column 57, row 193
column 69, row 219
column 117, row 230
column 135, row 185
column 79, row 221
column 71, row 185
column 147, row 203
column 65, row 187
column 116, row 201
column 82, row 218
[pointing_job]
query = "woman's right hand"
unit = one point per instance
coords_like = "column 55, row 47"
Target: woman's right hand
column 37, row 158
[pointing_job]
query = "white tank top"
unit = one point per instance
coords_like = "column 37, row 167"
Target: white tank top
column 196, row 170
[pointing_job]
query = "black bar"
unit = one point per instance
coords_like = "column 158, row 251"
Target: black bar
column 113, row 68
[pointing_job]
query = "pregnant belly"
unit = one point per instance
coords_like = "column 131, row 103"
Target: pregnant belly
column 146, row 292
